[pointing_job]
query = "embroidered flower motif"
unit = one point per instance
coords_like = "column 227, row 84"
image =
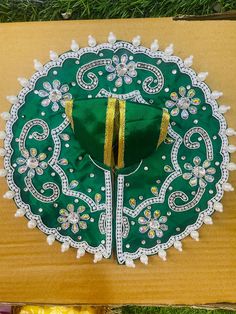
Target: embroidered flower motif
column 31, row 161
column 199, row 174
column 122, row 69
column 71, row 217
column 55, row 93
column 155, row 226
column 185, row 104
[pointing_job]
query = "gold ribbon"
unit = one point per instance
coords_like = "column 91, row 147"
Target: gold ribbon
column 110, row 115
column 121, row 140
column 164, row 126
column 68, row 110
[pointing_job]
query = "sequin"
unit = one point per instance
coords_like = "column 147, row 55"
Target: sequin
column 168, row 168
column 42, row 156
column 197, row 160
column 147, row 213
column 39, row 171
column 65, row 137
column 142, row 220
column 154, row 190
column 74, row 184
column 98, row 197
column 151, row 234
column 156, row 214
column 182, row 91
column 22, row 169
column 143, row 229
column 132, row 202
column 33, row 152
column 81, row 209
column 20, row 161
column 174, row 96
column 82, row 224
column 174, row 112
column 191, row 93
column 63, row 162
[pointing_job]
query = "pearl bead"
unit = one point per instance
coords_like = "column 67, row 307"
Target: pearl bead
column 231, row 166
column 129, row 263
column 227, row 187
column 80, row 252
column 2, row 152
column 231, row 149
column 3, row 172
column 230, row 132
column 65, row 247
column 111, row 38
column 50, row 239
column 23, row 81
column 136, row 41
column 12, row 99
column 218, row 207
column 91, row 41
column 178, row 246
column 5, row 116
column 74, row 46
column 202, row 76
column 154, row 45
column 38, row 65
column 2, row 135
column 216, row 94
column 9, row 195
column 162, row 254
column 20, row 212
column 97, row 257
column 144, row 259
column 169, row 50
column 53, row 55
column 31, row 224
column 195, row 235
column 224, row 108
column 207, row 220
column 188, row 61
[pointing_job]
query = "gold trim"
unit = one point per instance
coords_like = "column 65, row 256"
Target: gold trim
column 110, row 115
column 68, row 110
column 164, row 126
column 121, row 143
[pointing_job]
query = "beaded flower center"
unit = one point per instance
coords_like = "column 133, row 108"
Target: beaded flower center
column 183, row 103
column 73, row 218
column 121, row 69
column 199, row 171
column 154, row 224
column 32, row 162
column 55, row 95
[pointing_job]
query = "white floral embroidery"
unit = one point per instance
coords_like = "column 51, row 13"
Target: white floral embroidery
column 122, row 70
column 31, row 161
column 71, row 217
column 199, row 174
column 155, row 226
column 185, row 104
column 55, row 93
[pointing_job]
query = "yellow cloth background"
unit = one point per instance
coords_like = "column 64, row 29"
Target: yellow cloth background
column 205, row 272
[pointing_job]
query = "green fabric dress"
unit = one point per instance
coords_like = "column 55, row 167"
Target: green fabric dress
column 116, row 149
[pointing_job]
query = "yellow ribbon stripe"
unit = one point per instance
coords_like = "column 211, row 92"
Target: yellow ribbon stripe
column 68, row 110
column 110, row 115
column 121, row 142
column 164, row 127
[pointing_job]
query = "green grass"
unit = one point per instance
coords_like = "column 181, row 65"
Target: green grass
column 169, row 310
column 46, row 10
